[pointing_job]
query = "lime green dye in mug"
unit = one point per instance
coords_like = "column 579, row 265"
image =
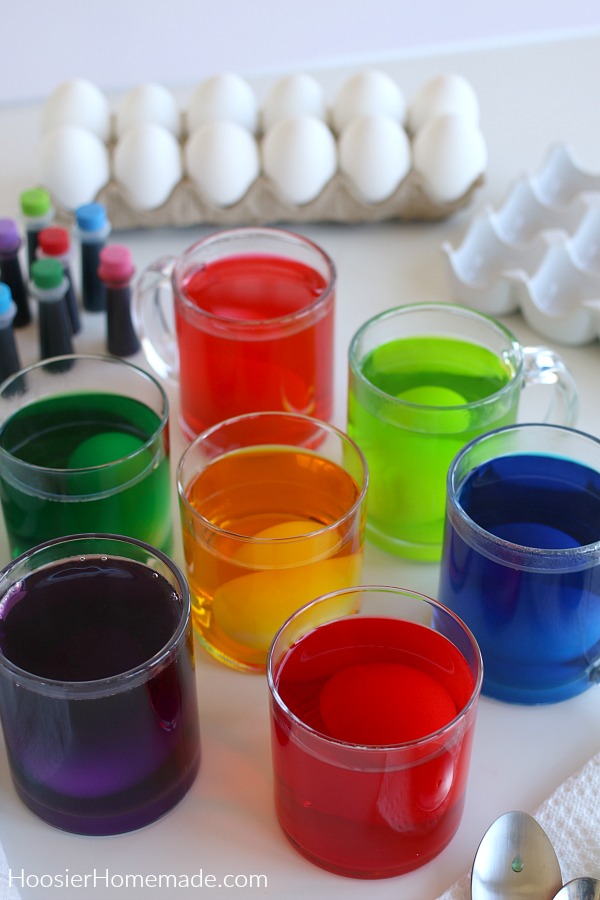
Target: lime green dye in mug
column 419, row 401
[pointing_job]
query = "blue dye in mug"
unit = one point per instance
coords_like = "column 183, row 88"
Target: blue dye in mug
column 521, row 559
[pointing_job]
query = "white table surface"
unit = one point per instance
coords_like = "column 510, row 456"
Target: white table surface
column 531, row 97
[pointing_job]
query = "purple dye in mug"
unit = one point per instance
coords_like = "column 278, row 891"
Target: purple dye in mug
column 83, row 757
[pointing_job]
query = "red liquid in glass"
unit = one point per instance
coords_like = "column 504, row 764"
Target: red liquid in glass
column 361, row 811
column 260, row 340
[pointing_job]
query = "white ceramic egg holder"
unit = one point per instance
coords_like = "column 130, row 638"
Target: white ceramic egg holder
column 539, row 252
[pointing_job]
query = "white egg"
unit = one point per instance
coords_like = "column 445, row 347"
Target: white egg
column 293, row 95
column 222, row 159
column 300, row 155
column 147, row 163
column 370, row 92
column 450, row 93
column 148, row 103
column 374, row 151
column 73, row 164
column 225, row 96
column 449, row 152
column 78, row 102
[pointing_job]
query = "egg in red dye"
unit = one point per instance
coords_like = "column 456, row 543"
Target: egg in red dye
column 384, row 703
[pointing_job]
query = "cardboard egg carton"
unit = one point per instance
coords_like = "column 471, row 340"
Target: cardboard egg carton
column 539, row 252
column 179, row 197
column 263, row 204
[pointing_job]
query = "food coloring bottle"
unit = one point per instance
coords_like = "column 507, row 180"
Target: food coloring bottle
column 10, row 270
column 93, row 229
column 9, row 355
column 38, row 213
column 55, row 243
column 49, row 287
column 116, row 272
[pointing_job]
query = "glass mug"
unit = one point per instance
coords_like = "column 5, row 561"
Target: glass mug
column 424, row 379
column 84, row 446
column 97, row 683
column 272, row 512
column 374, row 693
column 521, row 560
column 243, row 320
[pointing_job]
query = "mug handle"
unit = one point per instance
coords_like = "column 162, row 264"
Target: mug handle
column 154, row 318
column 542, row 366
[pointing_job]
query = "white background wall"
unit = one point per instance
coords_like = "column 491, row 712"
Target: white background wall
column 120, row 43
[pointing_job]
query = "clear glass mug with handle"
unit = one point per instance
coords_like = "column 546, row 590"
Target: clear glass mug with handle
column 424, row 380
column 242, row 322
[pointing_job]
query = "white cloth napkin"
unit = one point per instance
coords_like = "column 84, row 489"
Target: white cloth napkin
column 7, row 890
column 571, row 819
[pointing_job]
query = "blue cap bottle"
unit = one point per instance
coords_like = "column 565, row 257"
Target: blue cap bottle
column 9, row 355
column 93, row 229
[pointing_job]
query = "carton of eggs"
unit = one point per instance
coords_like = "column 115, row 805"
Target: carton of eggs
column 223, row 159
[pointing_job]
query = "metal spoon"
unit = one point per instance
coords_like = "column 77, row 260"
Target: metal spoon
column 515, row 860
column 580, row 889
